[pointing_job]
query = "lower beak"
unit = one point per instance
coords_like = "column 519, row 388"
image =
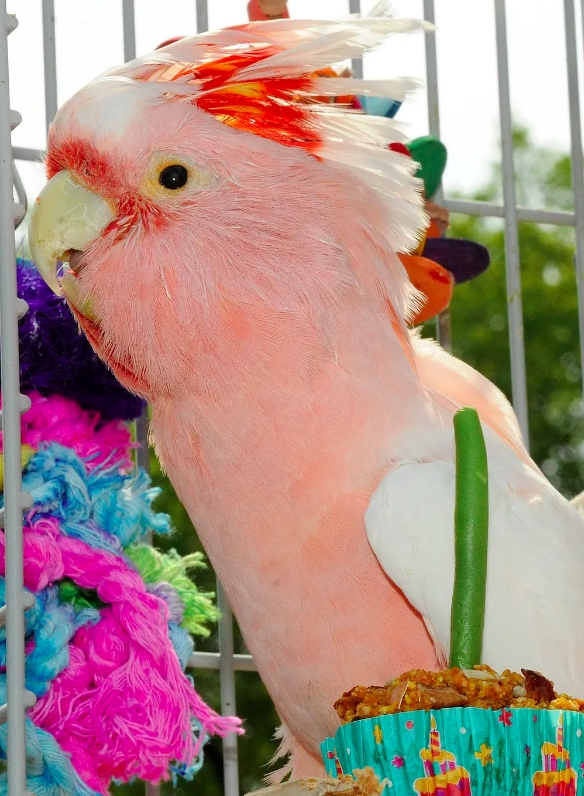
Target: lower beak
column 66, row 218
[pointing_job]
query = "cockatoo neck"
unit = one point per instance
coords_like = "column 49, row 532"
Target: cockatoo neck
column 294, row 419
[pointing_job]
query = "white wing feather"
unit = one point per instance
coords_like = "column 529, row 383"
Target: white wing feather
column 460, row 384
column 535, row 582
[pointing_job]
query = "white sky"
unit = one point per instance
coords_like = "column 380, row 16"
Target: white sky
column 89, row 40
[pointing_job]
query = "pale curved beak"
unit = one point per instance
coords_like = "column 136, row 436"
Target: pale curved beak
column 66, row 217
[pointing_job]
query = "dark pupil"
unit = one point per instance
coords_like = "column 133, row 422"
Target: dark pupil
column 173, row 177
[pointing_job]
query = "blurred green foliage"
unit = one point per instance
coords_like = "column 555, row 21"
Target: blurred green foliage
column 480, row 335
column 550, row 311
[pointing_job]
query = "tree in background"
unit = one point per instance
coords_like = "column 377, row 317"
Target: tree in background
column 480, row 335
column 550, row 309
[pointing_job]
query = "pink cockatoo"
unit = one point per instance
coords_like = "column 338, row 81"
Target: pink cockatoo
column 232, row 251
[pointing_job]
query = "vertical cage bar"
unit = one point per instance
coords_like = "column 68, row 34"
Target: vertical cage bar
column 129, row 29
column 512, row 259
column 443, row 328
column 432, row 72
column 227, row 681
column 50, row 61
column 577, row 161
column 356, row 63
column 202, row 16
column 20, row 192
column 10, row 380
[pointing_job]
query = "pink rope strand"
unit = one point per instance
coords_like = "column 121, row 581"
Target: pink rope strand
column 58, row 419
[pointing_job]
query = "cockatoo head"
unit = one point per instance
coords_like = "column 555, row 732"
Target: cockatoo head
column 202, row 178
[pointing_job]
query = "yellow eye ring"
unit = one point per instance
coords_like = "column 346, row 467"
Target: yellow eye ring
column 169, row 176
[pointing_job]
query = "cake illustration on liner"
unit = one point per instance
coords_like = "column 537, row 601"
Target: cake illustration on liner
column 442, row 772
column 467, row 730
column 558, row 776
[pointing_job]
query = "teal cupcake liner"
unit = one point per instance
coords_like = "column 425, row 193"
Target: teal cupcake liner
column 465, row 752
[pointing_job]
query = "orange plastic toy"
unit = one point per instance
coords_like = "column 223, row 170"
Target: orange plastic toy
column 260, row 10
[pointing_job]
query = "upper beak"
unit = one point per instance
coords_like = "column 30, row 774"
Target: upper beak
column 66, row 217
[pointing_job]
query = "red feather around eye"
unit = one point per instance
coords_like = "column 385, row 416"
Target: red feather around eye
column 81, row 157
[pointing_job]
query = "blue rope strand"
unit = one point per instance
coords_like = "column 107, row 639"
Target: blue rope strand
column 182, row 643
column 104, row 508
column 51, row 624
column 49, row 769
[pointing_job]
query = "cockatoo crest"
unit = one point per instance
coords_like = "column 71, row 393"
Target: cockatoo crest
column 260, row 78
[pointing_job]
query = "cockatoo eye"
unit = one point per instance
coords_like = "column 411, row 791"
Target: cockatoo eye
column 169, row 178
column 173, row 177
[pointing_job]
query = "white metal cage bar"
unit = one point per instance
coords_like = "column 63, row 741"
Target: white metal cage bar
column 443, row 328
column 576, row 156
column 20, row 208
column 356, row 63
column 13, row 403
column 129, row 29
column 512, row 258
column 227, row 685
column 432, row 74
column 202, row 12
column 50, row 61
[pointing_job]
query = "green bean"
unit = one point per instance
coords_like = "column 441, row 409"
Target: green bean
column 471, row 525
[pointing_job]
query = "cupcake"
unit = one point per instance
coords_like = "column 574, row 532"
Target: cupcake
column 465, row 731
